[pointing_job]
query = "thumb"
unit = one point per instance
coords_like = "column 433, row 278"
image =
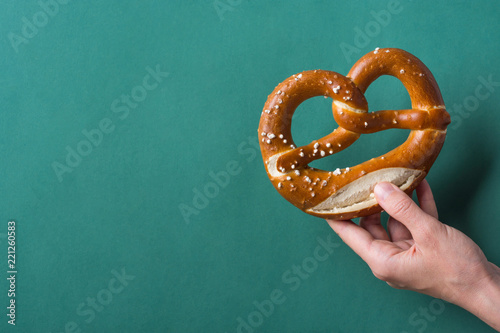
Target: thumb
column 401, row 207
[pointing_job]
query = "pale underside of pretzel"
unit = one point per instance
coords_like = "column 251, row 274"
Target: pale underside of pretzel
column 348, row 193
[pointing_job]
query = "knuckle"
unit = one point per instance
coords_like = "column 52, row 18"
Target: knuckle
column 379, row 275
column 382, row 272
column 396, row 285
column 402, row 207
column 427, row 230
column 431, row 230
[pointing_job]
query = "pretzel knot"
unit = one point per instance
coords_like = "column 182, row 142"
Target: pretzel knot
column 348, row 193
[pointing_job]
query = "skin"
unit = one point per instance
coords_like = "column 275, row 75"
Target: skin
column 419, row 253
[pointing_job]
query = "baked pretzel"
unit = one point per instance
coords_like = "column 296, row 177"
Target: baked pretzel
column 348, row 193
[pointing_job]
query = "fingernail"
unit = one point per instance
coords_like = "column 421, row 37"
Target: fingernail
column 382, row 190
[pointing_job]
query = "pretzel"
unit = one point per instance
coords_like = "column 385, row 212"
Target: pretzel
column 348, row 193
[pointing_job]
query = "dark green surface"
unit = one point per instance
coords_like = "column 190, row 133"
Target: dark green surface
column 119, row 208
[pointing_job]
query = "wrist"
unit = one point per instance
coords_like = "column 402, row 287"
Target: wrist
column 483, row 297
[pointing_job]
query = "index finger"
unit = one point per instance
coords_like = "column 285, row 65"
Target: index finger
column 426, row 199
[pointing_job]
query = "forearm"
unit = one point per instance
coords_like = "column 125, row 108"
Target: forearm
column 484, row 301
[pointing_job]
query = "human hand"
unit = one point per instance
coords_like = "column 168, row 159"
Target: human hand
column 420, row 253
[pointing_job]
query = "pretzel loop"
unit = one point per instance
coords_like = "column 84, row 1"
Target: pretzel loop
column 282, row 104
column 347, row 193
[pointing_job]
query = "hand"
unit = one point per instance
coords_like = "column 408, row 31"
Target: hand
column 420, row 253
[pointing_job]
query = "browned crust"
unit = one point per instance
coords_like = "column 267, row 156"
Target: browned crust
column 306, row 187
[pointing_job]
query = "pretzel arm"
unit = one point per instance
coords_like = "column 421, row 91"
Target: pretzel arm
column 331, row 144
column 372, row 122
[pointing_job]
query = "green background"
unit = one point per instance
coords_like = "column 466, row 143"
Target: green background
column 119, row 209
